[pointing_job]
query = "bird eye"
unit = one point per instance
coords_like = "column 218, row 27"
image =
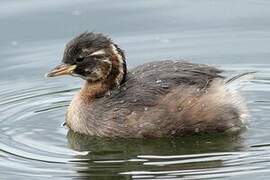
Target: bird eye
column 79, row 59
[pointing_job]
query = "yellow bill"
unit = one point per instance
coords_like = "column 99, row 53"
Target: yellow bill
column 63, row 69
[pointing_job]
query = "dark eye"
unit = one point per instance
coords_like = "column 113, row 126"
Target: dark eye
column 79, row 59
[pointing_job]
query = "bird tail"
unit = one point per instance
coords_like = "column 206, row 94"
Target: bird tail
column 239, row 81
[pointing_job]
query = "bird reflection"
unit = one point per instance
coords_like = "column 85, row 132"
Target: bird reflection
column 108, row 158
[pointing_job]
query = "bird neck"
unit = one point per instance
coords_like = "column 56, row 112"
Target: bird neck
column 116, row 77
column 92, row 90
column 118, row 72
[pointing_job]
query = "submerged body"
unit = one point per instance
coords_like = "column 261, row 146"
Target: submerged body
column 158, row 99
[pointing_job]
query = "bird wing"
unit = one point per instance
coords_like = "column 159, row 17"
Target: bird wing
column 147, row 83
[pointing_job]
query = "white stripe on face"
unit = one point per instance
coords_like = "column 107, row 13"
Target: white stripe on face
column 99, row 52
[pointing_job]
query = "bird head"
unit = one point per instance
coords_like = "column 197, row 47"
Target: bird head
column 94, row 58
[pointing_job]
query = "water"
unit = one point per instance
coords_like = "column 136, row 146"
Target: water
column 234, row 35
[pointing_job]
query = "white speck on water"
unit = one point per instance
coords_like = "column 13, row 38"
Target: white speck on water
column 146, row 108
column 122, row 101
column 5, row 128
column 158, row 81
column 38, row 130
column 157, row 38
column 137, row 160
column 141, row 125
column 82, row 152
column 164, row 41
column 14, row 43
column 76, row 13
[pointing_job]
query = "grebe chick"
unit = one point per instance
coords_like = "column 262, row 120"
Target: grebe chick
column 156, row 99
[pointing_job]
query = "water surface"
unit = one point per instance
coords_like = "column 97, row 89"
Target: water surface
column 233, row 35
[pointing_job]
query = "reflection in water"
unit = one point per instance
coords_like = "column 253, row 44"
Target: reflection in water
column 161, row 156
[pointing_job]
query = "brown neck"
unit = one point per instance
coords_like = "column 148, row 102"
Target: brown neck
column 92, row 90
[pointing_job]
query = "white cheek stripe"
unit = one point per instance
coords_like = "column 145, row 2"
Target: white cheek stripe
column 121, row 63
column 99, row 52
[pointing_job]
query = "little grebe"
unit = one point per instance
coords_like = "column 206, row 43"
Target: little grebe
column 157, row 99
